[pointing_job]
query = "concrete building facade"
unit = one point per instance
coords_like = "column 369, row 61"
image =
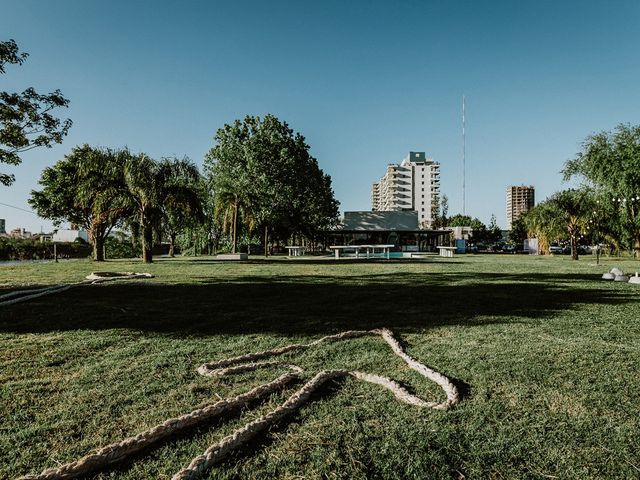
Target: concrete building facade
column 412, row 185
column 520, row 199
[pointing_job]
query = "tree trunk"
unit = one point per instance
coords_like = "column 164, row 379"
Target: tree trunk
column 636, row 249
column 574, row 247
column 98, row 248
column 147, row 243
column 234, row 246
column 172, row 243
column 266, row 240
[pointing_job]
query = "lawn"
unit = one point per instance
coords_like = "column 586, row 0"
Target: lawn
column 546, row 353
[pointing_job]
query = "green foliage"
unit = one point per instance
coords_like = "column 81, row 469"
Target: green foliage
column 564, row 215
column 479, row 229
column 610, row 163
column 263, row 175
column 85, row 188
column 441, row 219
column 26, row 249
column 159, row 193
column 26, row 121
column 518, row 233
column 120, row 247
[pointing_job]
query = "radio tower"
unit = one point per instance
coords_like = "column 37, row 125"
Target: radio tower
column 464, row 164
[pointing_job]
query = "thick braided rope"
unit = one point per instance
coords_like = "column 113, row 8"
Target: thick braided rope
column 214, row 454
column 24, row 295
column 117, row 452
column 220, row 450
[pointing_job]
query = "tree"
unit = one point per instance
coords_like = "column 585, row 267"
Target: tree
column 85, row 188
column 26, row 121
column 152, row 185
column 227, row 168
column 440, row 220
column 543, row 223
column 518, row 232
column 478, row 229
column 610, row 163
column 574, row 207
column 564, row 214
column 494, row 233
column 183, row 204
column 263, row 175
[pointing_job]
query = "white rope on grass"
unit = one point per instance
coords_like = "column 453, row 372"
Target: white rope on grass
column 91, row 279
column 117, row 452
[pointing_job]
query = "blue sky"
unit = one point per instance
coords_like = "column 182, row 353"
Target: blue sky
column 363, row 81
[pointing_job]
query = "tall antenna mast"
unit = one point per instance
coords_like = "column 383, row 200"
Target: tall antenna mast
column 464, row 163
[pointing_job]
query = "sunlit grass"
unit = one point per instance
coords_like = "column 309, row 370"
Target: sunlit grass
column 546, row 352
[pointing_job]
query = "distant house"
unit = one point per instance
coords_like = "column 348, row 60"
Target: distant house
column 399, row 228
column 20, row 233
column 70, row 236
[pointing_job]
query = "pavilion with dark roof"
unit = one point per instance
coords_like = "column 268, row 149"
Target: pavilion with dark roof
column 399, row 228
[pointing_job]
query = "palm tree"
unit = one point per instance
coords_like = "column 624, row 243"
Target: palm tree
column 152, row 186
column 183, row 202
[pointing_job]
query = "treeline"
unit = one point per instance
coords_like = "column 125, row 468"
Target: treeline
column 605, row 208
column 26, row 249
column 259, row 180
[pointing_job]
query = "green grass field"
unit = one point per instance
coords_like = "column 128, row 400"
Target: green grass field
column 547, row 355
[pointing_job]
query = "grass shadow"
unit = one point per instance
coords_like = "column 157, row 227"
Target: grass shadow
column 310, row 304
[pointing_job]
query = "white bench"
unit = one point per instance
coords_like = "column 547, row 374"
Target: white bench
column 295, row 250
column 446, row 251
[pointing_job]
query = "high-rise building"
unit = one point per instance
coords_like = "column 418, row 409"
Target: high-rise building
column 2, row 226
column 519, row 200
column 413, row 185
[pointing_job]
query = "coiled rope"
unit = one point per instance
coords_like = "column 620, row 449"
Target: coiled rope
column 92, row 279
column 117, row 452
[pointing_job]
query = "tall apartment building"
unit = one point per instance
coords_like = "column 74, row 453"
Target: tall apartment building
column 2, row 226
column 519, row 200
column 412, row 185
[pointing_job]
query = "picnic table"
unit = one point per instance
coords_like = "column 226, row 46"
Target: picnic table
column 295, row 250
column 370, row 249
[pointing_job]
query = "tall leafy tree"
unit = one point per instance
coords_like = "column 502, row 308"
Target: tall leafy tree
column 182, row 205
column 610, row 162
column 441, row 220
column 85, row 188
column 518, row 232
column 26, row 121
column 574, row 208
column 262, row 172
column 565, row 214
column 151, row 186
column 227, row 167
column 543, row 222
column 494, row 233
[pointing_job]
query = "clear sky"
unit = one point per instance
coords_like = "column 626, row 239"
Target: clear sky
column 363, row 81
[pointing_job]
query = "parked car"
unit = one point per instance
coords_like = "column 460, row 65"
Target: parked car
column 509, row 248
column 555, row 248
column 584, row 250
